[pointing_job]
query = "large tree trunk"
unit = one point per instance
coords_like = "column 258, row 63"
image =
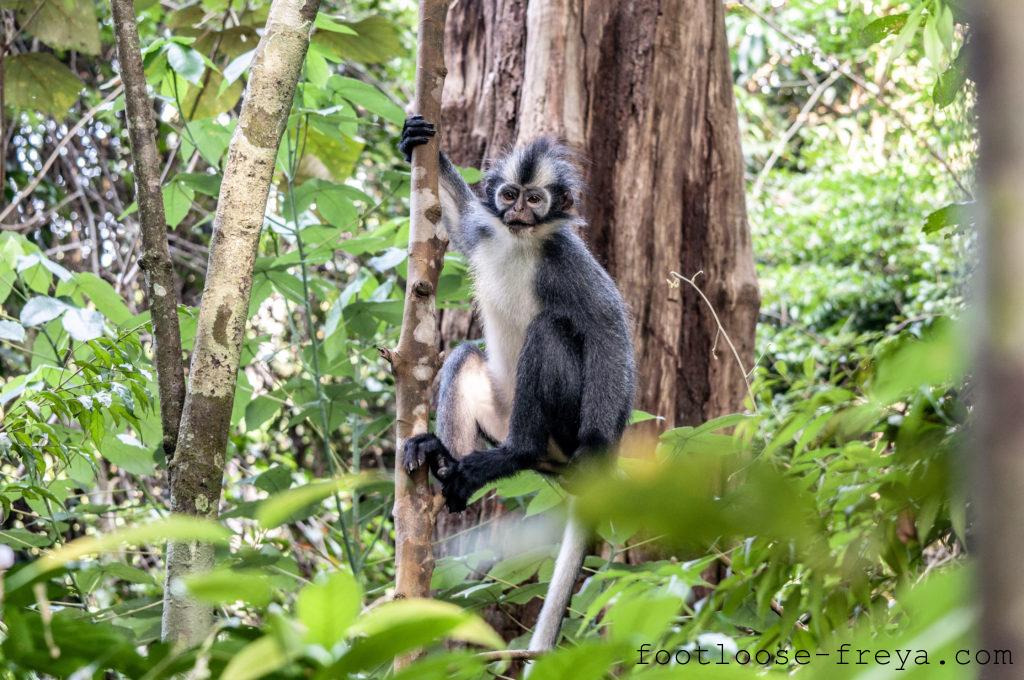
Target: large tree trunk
column 197, row 469
column 644, row 90
column 999, row 447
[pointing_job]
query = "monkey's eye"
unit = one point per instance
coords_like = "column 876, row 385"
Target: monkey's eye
column 509, row 194
column 533, row 199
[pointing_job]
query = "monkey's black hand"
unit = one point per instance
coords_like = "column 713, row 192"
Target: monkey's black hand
column 415, row 132
column 427, row 449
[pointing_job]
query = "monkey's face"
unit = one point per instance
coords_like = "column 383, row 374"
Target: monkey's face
column 532, row 186
column 522, row 207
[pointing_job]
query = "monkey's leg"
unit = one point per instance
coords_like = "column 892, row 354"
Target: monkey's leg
column 548, row 383
column 467, row 404
column 468, row 410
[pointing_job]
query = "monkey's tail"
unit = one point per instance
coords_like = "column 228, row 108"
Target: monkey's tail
column 575, row 542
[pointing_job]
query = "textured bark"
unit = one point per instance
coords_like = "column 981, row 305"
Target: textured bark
column 998, row 53
column 644, row 90
column 156, row 256
column 197, row 469
column 415, row 360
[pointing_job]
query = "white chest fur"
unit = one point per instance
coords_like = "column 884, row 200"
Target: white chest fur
column 504, row 273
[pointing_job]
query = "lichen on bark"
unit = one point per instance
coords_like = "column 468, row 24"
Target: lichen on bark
column 197, row 468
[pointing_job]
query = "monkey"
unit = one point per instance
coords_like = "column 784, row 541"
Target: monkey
column 553, row 389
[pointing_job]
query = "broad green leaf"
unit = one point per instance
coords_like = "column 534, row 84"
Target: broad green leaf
column 949, row 84
column 881, row 28
column 952, row 215
column 36, row 81
column 237, row 67
column 326, row 23
column 101, row 293
column 62, row 25
column 128, row 453
column 397, row 627
column 83, row 324
column 41, row 309
column 367, row 97
column 327, row 608
column 933, row 43
column 337, row 152
column 11, row 330
column 336, row 206
column 19, row 539
column 178, row 198
column 175, row 527
column 186, row 62
column 376, row 41
column 278, row 509
column 223, row 586
column 274, row 480
column 260, row 657
column 317, row 69
column 260, row 410
column 590, row 661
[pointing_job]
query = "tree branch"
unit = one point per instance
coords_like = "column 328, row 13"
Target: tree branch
column 156, row 256
column 415, row 360
column 197, row 468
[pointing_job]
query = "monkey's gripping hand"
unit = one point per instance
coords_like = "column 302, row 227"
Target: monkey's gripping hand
column 427, row 449
column 415, row 132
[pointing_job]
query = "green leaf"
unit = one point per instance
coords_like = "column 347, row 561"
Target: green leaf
column 186, row 62
column 368, row 97
column 277, row 478
column 376, row 40
column 952, row 215
column 327, row 608
column 257, row 659
column 178, row 198
column 278, row 509
column 41, row 309
column 128, row 453
column 222, row 586
column 101, row 293
column 932, row 43
column 175, row 527
column 950, row 82
column 326, row 23
column 62, row 25
column 202, row 182
column 260, row 410
column 11, row 330
column 397, row 627
column 36, row 81
column 20, row 539
column 83, row 324
column 881, row 28
column 334, row 202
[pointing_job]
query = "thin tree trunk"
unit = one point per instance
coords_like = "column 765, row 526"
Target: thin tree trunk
column 998, row 54
column 197, row 468
column 156, row 256
column 415, row 360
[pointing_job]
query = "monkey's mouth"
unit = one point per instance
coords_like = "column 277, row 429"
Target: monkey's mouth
column 518, row 226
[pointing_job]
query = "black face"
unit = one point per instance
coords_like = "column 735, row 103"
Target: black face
column 521, row 207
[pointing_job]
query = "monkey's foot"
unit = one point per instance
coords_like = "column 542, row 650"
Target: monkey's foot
column 427, row 449
column 416, row 131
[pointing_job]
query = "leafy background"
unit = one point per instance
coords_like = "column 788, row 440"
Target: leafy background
column 835, row 501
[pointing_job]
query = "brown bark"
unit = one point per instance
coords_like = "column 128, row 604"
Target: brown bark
column 644, row 90
column 999, row 445
column 415, row 360
column 197, row 469
column 156, row 256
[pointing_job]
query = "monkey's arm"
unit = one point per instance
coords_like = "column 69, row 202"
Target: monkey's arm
column 457, row 199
